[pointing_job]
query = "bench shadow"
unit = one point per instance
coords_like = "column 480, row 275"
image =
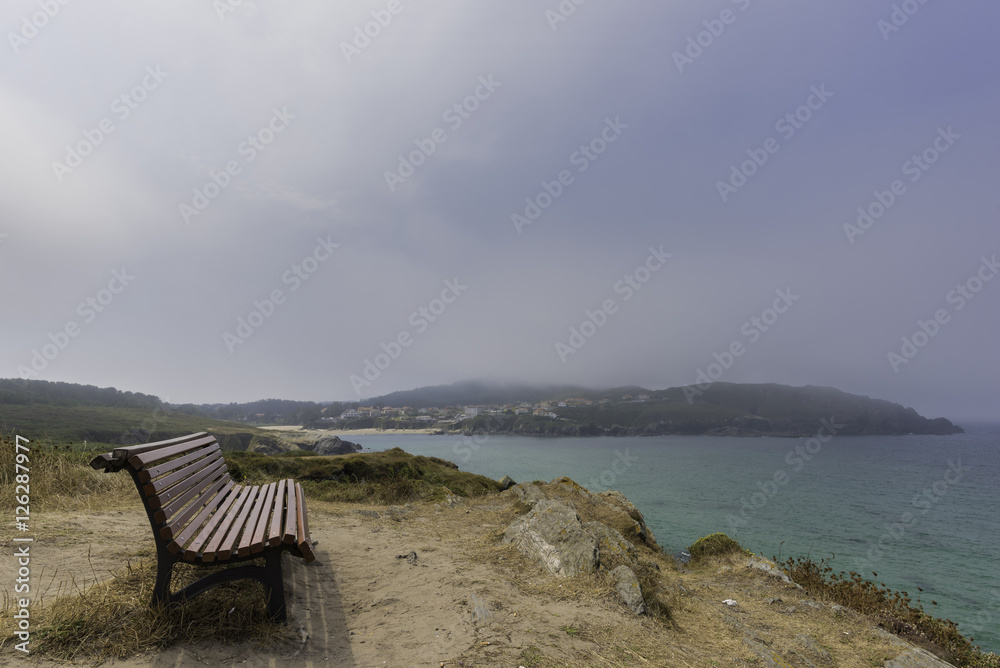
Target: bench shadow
column 314, row 603
column 316, row 625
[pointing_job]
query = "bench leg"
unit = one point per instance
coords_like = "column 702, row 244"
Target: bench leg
column 161, row 591
column 274, row 586
column 269, row 575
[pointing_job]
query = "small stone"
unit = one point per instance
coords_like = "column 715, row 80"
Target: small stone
column 628, row 588
column 811, row 644
column 411, row 557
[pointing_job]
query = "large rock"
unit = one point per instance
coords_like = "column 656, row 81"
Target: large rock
column 917, row 658
column 553, row 535
column 333, row 445
column 627, row 586
column 618, row 500
column 769, row 567
column 526, row 492
column 612, row 548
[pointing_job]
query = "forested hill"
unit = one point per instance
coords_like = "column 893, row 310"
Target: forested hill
column 725, row 409
column 27, row 392
column 719, row 408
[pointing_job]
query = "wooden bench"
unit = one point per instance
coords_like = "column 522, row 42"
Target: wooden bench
column 199, row 515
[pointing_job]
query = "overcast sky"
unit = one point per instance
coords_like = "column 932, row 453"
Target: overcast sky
column 218, row 203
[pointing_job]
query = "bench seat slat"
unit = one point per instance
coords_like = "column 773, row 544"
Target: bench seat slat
column 202, row 481
column 161, row 487
column 211, row 550
column 180, row 523
column 266, row 510
column 291, row 519
column 230, row 544
column 303, row 538
column 147, row 474
column 205, row 521
column 258, row 507
column 146, row 458
column 274, row 533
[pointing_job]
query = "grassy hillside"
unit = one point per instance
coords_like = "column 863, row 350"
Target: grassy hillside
column 103, row 427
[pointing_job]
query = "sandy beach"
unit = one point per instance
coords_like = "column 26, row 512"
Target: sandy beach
column 347, row 433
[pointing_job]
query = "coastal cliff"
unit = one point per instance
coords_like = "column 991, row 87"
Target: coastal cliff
column 421, row 564
column 722, row 409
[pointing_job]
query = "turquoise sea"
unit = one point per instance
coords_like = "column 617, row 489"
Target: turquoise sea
column 921, row 511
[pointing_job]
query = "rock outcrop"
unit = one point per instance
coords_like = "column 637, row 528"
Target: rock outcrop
column 627, row 586
column 333, row 445
column 553, row 535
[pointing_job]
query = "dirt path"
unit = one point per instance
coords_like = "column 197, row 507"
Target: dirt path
column 363, row 603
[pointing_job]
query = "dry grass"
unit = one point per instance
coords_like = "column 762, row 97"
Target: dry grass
column 113, row 619
column 61, row 479
column 892, row 610
column 714, row 545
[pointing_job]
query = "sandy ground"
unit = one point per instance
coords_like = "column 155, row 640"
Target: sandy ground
column 358, row 604
column 361, row 604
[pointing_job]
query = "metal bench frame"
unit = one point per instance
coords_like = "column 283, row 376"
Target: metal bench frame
column 273, row 517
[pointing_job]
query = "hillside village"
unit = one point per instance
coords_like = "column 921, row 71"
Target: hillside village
column 408, row 417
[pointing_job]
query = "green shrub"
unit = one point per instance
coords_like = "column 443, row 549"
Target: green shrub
column 713, row 545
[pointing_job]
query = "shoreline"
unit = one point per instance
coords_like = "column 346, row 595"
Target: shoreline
column 346, row 433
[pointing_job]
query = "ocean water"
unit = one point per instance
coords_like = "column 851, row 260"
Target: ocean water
column 921, row 511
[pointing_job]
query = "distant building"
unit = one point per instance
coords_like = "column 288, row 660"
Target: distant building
column 473, row 411
column 350, row 413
